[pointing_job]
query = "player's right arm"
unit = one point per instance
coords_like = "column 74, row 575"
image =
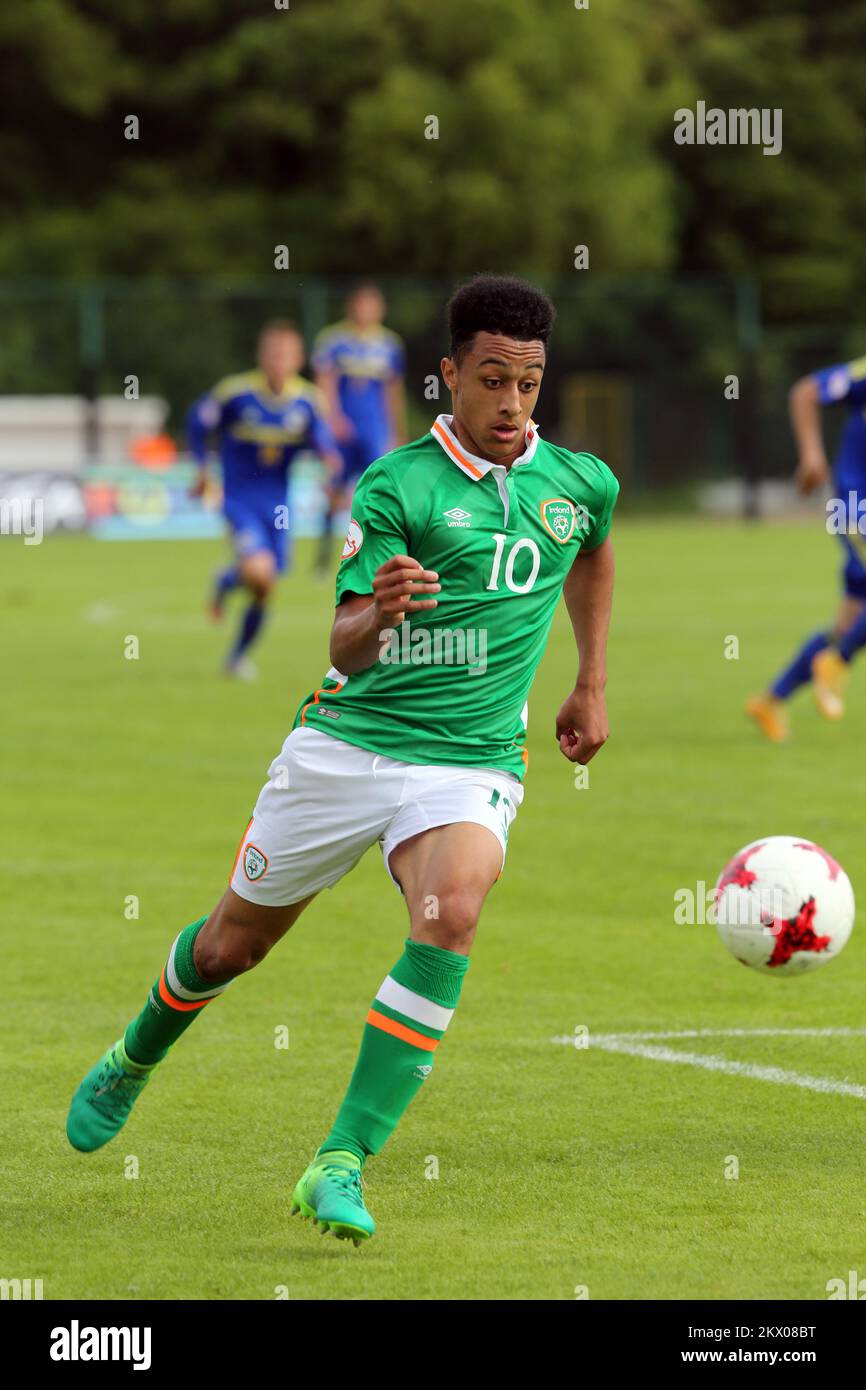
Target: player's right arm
column 378, row 582
column 363, row 621
column 844, row 382
column 327, row 380
column 202, row 419
column 804, row 409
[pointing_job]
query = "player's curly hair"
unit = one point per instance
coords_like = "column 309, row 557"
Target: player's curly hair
column 498, row 304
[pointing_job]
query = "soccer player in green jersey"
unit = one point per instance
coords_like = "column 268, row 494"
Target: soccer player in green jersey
column 459, row 548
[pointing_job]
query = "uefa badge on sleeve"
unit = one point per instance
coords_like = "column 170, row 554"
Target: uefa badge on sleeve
column 354, row 540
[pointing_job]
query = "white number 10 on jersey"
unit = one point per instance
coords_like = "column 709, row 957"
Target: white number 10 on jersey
column 509, row 564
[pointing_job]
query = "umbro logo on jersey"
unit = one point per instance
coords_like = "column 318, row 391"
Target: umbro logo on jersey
column 457, row 517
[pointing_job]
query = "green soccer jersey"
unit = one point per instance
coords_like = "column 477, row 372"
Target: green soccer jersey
column 452, row 682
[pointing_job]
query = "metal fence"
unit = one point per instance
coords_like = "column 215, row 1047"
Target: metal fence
column 640, row 370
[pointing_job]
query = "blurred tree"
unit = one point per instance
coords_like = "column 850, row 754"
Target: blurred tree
column 308, row 126
column 793, row 220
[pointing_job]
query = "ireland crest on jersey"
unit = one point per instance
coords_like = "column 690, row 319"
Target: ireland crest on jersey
column 559, row 517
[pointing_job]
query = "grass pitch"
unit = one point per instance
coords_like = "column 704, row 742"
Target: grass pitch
column 525, row 1169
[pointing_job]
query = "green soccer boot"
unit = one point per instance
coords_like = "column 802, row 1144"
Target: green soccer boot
column 101, row 1105
column 330, row 1192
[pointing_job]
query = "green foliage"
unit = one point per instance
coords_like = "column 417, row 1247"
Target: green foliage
column 308, row 126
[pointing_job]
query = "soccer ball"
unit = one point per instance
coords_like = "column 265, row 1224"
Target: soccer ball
column 784, row 905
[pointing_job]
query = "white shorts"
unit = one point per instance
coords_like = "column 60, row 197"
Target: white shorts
column 325, row 802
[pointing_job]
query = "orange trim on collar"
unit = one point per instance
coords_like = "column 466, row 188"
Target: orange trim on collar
column 456, row 453
column 446, row 437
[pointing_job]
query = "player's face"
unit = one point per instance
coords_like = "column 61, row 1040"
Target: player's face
column 367, row 308
column 495, row 389
column 281, row 355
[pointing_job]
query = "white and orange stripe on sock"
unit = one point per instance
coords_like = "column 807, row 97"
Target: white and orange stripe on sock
column 412, row 1009
column 176, row 995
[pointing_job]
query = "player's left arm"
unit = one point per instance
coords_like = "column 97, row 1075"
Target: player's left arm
column 581, row 724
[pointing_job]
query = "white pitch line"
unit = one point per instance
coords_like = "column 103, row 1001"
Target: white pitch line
column 628, row 1043
column 742, row 1033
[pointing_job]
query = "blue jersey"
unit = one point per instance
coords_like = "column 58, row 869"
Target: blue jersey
column 365, row 361
column 259, row 434
column 847, row 383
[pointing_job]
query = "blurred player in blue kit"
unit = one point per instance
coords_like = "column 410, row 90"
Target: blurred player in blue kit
column 263, row 419
column 825, row 657
column 360, row 365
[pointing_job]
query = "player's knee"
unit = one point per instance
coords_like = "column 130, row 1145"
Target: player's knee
column 260, row 584
column 225, row 948
column 452, row 917
column 259, row 577
column 230, row 954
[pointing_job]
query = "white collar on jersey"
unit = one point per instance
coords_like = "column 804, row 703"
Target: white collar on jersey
column 471, row 464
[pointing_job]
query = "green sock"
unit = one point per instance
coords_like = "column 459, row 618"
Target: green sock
column 175, row 1001
column 404, row 1026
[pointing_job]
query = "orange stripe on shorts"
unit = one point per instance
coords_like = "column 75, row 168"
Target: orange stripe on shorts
column 240, row 847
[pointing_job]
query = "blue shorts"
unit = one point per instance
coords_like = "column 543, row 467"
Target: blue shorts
column 850, row 489
column 357, row 455
column 854, row 571
column 255, row 529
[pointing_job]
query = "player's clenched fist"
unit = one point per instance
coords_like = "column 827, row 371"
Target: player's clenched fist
column 396, row 588
column 581, row 725
column 813, row 470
